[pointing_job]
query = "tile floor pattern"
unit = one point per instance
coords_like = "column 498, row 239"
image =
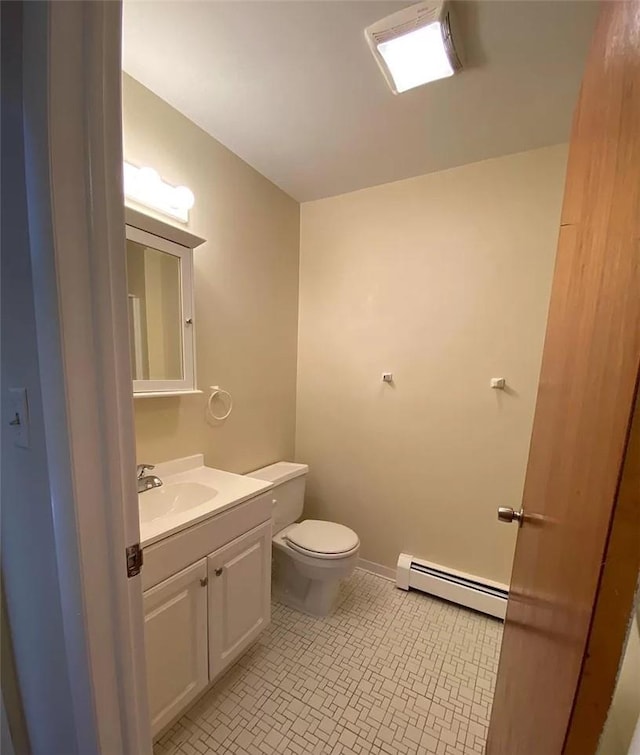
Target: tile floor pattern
column 389, row 672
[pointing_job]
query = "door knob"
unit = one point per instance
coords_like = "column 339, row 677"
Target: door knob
column 507, row 514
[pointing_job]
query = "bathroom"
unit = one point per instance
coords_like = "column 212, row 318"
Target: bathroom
column 358, row 331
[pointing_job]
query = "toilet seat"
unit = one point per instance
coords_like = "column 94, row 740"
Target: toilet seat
column 323, row 540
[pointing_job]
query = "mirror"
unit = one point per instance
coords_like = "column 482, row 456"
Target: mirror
column 160, row 319
column 155, row 313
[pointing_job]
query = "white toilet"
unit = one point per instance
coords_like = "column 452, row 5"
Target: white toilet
column 310, row 557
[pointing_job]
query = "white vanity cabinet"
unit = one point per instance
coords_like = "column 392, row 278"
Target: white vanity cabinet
column 175, row 627
column 200, row 616
column 239, row 596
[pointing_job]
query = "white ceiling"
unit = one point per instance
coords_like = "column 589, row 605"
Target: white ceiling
column 292, row 88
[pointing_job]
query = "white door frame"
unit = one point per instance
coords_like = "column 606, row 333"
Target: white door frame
column 73, row 154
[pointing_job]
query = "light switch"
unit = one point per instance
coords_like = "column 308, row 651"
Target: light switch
column 19, row 416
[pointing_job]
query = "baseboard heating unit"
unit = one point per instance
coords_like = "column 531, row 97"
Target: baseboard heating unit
column 481, row 595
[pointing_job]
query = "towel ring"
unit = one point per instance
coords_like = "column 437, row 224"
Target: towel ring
column 216, row 391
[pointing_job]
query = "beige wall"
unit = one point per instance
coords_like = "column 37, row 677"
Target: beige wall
column 246, row 291
column 443, row 280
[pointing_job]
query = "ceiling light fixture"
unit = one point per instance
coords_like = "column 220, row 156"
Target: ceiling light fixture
column 144, row 186
column 414, row 46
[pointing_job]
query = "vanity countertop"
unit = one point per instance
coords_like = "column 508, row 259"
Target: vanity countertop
column 190, row 493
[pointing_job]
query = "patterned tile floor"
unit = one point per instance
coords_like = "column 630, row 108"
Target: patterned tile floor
column 389, row 672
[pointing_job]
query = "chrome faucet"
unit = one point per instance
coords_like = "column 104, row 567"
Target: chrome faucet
column 146, row 482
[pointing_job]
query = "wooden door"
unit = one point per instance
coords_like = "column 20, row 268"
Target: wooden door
column 175, row 629
column 585, row 401
column 239, row 596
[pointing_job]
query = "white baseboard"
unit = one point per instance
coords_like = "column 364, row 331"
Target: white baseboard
column 378, row 569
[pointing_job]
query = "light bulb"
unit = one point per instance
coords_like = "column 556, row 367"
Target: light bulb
column 148, row 180
column 183, row 197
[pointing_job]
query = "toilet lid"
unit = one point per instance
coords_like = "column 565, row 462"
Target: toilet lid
column 322, row 537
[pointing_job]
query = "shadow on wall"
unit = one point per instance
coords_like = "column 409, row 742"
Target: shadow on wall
column 466, row 26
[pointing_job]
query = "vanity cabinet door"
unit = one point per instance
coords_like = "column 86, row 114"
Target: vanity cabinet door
column 175, row 624
column 239, row 596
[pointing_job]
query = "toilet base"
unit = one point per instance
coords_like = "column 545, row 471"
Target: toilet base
column 308, row 596
column 316, row 595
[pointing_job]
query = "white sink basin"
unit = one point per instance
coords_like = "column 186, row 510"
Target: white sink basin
column 173, row 498
column 190, row 493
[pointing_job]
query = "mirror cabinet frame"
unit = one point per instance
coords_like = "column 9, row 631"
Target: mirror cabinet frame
column 155, row 234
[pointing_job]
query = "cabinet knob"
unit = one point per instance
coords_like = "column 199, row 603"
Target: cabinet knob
column 218, row 572
column 204, row 581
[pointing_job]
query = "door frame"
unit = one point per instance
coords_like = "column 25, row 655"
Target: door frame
column 73, row 157
column 615, row 599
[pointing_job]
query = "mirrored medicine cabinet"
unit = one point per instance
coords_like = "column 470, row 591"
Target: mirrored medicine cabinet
column 160, row 300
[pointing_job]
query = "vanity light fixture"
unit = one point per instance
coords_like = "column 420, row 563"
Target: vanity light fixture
column 144, row 185
column 414, row 45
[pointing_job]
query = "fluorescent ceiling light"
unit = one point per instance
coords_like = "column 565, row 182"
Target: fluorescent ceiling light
column 414, row 46
column 416, row 58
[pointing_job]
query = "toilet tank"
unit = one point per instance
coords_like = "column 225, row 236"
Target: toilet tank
column 289, row 481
